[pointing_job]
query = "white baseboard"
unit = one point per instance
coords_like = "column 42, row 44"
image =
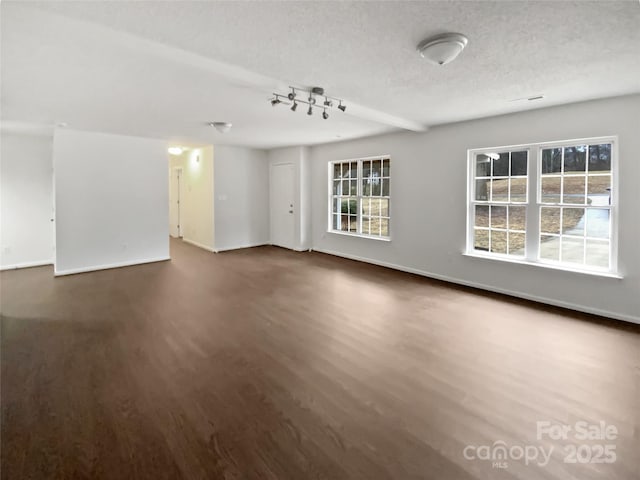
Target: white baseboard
column 238, row 247
column 73, row 271
column 15, row 266
column 512, row 293
column 197, row 244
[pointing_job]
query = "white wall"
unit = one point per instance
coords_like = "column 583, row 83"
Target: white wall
column 241, row 197
column 26, row 200
column 428, row 204
column 111, row 200
column 300, row 158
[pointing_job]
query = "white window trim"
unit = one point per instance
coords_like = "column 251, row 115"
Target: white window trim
column 534, row 175
column 359, row 197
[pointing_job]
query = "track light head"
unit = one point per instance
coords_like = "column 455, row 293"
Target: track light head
column 312, row 100
column 327, row 102
column 292, row 94
column 275, row 101
column 342, row 107
column 325, row 115
column 310, row 111
column 294, row 106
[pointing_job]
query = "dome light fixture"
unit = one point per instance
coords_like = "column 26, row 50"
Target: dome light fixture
column 175, row 150
column 442, row 49
column 308, row 97
column 222, row 127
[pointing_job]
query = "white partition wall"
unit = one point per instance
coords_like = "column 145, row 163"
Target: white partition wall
column 26, row 191
column 111, row 200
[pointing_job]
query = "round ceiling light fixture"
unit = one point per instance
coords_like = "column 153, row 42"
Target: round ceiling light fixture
column 175, row 150
column 222, row 127
column 442, row 49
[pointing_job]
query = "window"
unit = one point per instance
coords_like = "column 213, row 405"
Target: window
column 359, row 193
column 551, row 203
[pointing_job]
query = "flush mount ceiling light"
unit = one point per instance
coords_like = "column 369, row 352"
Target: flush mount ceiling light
column 222, row 127
column 175, row 150
column 442, row 49
column 313, row 100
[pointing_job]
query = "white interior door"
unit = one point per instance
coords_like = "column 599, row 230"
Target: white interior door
column 282, row 188
column 175, row 189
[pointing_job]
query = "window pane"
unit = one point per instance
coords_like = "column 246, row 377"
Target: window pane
column 335, row 204
column 336, row 187
column 345, row 187
column 599, row 190
column 374, row 225
column 385, row 168
column 518, row 163
column 516, row 243
column 500, row 190
column 573, row 189
column 482, row 216
column 518, row 190
column 550, row 219
column 600, row 158
column 482, row 190
column 498, row 217
column 384, row 207
column 365, row 225
column 376, row 168
column 572, row 223
column 366, row 188
column 385, row 187
column 551, row 189
column 353, row 170
column 353, row 223
column 572, row 250
column 481, row 240
column 597, row 254
column 366, row 206
column 483, row 166
column 597, row 222
column 384, row 227
column 501, row 165
column 498, row 241
column 354, row 187
column 366, row 168
column 575, row 158
column 375, row 187
column 551, row 160
column 517, row 217
column 549, row 247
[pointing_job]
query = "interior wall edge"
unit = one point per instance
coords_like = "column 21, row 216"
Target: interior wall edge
column 73, row 271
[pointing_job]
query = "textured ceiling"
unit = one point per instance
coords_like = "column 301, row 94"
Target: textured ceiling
column 165, row 68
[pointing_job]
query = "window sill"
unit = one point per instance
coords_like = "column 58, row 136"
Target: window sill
column 359, row 235
column 550, row 266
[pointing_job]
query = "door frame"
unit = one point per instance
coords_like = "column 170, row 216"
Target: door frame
column 178, row 172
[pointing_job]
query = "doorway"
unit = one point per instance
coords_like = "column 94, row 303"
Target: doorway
column 175, row 193
column 282, row 192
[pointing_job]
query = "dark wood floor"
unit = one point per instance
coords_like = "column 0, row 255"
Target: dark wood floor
column 270, row 364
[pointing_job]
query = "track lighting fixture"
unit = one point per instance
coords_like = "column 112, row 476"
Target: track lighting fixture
column 311, row 100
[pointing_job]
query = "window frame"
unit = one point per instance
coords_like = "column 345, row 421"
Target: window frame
column 359, row 197
column 534, row 204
